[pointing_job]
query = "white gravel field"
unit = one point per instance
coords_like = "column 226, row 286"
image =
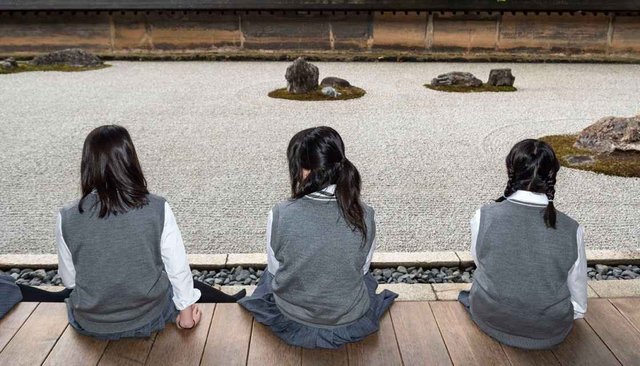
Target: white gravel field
column 213, row 144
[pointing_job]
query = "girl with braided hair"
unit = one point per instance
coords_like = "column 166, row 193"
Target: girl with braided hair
column 317, row 291
column 531, row 277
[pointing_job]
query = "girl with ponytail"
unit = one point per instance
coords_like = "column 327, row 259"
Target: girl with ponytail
column 522, row 233
column 317, row 291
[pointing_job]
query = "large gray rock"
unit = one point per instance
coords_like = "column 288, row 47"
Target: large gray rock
column 501, row 77
column 611, row 133
column 335, row 82
column 456, row 78
column 302, row 77
column 8, row 64
column 70, row 57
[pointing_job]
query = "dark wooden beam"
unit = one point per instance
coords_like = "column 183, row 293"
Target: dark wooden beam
column 315, row 5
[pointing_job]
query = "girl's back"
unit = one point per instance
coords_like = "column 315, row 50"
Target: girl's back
column 119, row 271
column 321, row 261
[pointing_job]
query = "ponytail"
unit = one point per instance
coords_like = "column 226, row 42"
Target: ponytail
column 348, row 185
column 320, row 151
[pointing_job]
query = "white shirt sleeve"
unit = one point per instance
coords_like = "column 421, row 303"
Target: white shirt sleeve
column 475, row 228
column 66, row 270
column 367, row 264
column 272, row 262
column 577, row 280
column 176, row 264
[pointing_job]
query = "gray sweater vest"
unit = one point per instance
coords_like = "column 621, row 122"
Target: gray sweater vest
column 121, row 284
column 320, row 280
column 520, row 294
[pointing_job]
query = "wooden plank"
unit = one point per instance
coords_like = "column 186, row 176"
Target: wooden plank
column 36, row 337
column 127, row 352
column 630, row 309
column 175, row 346
column 379, row 349
column 225, row 347
column 325, row 357
column 466, row 343
column 267, row 349
column 74, row 348
column 615, row 330
column 522, row 357
column 11, row 322
column 418, row 334
column 583, row 347
column 543, row 5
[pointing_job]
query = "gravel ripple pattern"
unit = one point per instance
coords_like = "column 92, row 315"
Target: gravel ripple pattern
column 213, row 143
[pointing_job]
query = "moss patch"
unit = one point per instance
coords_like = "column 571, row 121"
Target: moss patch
column 471, row 89
column 351, row 92
column 618, row 163
column 25, row 67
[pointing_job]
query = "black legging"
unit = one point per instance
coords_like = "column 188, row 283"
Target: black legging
column 209, row 294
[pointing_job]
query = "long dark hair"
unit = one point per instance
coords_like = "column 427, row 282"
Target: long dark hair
column 532, row 165
column 110, row 167
column 321, row 151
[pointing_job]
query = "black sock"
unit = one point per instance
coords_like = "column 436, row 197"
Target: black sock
column 30, row 293
column 210, row 294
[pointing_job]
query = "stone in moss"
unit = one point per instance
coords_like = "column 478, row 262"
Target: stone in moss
column 70, row 57
column 351, row 92
column 618, row 163
column 471, row 89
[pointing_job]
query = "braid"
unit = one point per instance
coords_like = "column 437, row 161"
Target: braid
column 550, row 211
column 509, row 190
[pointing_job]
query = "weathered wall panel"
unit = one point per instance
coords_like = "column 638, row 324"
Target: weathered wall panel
column 350, row 32
column 555, row 33
column 190, row 31
column 43, row 32
column 400, row 31
column 452, row 32
column 626, row 34
column 286, row 31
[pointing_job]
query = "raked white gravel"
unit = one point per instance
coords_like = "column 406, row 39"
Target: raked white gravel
column 213, row 144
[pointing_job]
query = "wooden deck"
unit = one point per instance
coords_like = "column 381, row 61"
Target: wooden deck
column 412, row 333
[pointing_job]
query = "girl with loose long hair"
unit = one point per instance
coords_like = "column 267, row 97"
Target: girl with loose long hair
column 317, row 291
column 530, row 281
column 121, row 254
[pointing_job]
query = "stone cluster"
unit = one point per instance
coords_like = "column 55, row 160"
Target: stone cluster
column 70, row 57
column 8, row 64
column 497, row 77
column 611, row 133
column 411, row 275
column 302, row 77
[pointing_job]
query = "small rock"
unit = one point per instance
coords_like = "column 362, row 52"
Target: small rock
column 501, row 77
column 457, row 78
column 601, row 268
column 218, row 281
column 629, row 274
column 15, row 275
column 387, row 273
column 401, row 269
column 579, row 159
column 335, row 82
column 14, row 270
column 247, row 281
column 302, row 77
column 209, row 281
column 330, row 92
column 243, row 275
column 8, row 64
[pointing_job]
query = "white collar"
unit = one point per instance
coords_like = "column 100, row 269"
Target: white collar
column 325, row 194
column 527, row 197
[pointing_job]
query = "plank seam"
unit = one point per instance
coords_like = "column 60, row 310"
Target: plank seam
column 246, row 359
column 206, row 339
column 20, row 327
column 602, row 340
column 624, row 316
column 146, row 358
column 395, row 336
column 440, row 331
column 55, row 343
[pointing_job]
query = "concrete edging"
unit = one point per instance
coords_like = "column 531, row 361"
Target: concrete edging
column 380, row 259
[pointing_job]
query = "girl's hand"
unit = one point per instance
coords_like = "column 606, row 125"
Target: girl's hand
column 189, row 317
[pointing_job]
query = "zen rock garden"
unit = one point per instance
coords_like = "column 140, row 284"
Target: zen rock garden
column 302, row 84
column 73, row 59
column 610, row 146
column 500, row 80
